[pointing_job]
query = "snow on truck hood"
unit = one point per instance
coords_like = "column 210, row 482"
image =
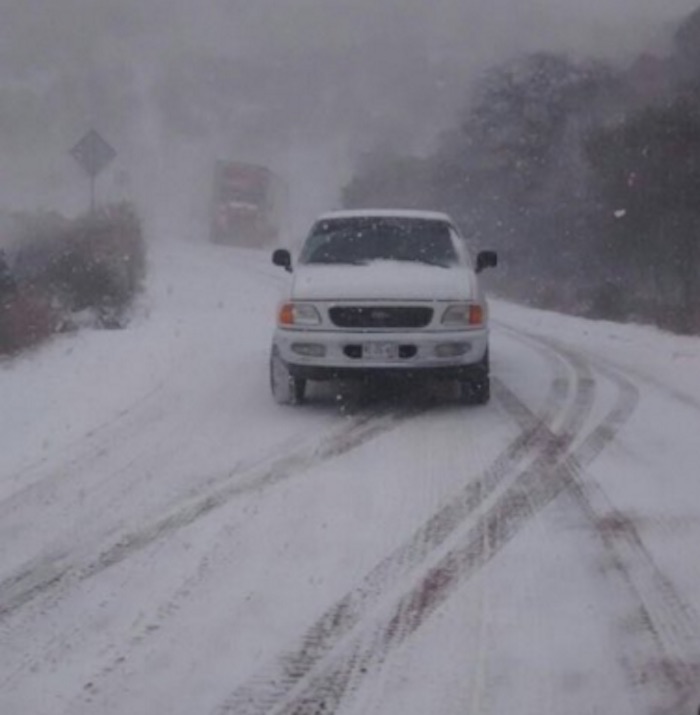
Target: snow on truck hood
column 383, row 280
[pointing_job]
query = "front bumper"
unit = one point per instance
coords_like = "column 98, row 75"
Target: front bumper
column 341, row 354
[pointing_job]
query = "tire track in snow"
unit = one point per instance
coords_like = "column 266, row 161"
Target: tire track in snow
column 657, row 667
column 170, row 606
column 46, row 573
column 678, row 395
column 666, row 658
column 276, row 683
column 90, row 447
column 325, row 690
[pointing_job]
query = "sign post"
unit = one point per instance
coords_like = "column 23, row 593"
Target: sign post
column 94, row 154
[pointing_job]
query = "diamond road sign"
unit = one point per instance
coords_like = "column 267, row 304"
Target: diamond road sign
column 93, row 153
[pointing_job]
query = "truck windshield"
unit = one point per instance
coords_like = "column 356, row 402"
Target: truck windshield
column 358, row 241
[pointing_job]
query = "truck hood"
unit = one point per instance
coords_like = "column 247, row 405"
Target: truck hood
column 383, row 280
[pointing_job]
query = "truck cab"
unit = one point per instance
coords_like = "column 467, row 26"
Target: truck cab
column 382, row 292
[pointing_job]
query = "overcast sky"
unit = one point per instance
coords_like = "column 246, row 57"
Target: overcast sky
column 477, row 28
column 315, row 80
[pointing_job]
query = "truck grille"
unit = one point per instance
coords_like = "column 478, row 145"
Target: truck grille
column 381, row 316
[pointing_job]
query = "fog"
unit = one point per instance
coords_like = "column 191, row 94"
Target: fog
column 305, row 86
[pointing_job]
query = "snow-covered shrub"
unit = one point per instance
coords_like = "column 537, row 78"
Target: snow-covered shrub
column 62, row 271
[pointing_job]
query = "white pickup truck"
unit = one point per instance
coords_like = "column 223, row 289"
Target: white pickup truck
column 382, row 292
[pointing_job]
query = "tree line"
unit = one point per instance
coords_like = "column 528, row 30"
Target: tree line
column 584, row 175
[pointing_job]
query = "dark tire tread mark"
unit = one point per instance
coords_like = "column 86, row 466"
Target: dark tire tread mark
column 267, row 690
column 669, row 622
column 554, row 399
column 120, row 426
column 47, row 573
column 534, row 489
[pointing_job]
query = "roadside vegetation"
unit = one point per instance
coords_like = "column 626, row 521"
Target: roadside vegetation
column 57, row 275
column 585, row 176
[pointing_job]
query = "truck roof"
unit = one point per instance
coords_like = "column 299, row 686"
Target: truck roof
column 387, row 213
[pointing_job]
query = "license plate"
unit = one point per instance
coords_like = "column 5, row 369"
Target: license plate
column 380, row 351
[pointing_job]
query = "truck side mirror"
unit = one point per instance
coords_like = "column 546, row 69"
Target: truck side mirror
column 486, row 259
column 282, row 257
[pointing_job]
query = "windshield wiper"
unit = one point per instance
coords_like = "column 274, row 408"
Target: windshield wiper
column 424, row 261
column 357, row 262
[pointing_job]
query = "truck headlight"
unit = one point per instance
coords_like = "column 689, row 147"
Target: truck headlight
column 464, row 315
column 298, row 315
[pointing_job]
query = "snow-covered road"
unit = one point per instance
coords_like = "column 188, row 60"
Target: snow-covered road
column 171, row 541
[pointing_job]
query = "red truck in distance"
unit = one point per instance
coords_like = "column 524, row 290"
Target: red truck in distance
column 247, row 204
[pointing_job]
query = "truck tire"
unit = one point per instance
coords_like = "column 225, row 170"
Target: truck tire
column 476, row 389
column 286, row 389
